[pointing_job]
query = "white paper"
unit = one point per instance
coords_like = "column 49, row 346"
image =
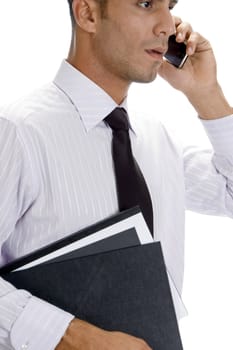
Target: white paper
column 135, row 221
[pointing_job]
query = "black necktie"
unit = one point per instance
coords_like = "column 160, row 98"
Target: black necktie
column 131, row 186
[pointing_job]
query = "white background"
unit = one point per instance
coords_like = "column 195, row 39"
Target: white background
column 34, row 38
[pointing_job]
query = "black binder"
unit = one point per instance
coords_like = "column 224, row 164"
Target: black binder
column 125, row 288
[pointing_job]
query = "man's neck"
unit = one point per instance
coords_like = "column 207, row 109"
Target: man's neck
column 116, row 88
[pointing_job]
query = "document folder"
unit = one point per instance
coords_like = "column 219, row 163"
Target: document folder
column 123, row 289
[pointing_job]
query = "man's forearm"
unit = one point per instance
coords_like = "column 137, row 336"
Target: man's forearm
column 211, row 103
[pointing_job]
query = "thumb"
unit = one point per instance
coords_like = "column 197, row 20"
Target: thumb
column 167, row 70
column 177, row 78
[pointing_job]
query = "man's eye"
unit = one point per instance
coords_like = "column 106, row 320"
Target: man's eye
column 145, row 4
column 172, row 4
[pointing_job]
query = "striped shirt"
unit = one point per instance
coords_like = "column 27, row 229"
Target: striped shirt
column 57, row 177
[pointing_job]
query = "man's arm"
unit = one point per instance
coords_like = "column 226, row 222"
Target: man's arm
column 198, row 78
column 82, row 336
column 27, row 322
column 208, row 173
column 24, row 320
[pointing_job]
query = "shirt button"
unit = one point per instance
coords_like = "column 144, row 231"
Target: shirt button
column 24, row 346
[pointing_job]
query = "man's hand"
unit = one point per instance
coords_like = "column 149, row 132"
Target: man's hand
column 198, row 78
column 81, row 335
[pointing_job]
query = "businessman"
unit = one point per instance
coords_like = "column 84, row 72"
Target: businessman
column 59, row 171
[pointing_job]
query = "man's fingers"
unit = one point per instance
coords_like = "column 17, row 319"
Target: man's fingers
column 177, row 20
column 82, row 335
column 194, row 41
column 183, row 31
column 137, row 343
column 197, row 43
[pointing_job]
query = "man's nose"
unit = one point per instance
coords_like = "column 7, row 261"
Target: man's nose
column 164, row 23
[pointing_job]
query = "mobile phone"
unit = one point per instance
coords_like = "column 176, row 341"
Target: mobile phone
column 176, row 53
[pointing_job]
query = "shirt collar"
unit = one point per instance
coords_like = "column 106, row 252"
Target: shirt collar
column 92, row 102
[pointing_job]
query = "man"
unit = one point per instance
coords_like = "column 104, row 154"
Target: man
column 57, row 174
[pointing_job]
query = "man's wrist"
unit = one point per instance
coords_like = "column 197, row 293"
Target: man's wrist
column 210, row 103
column 39, row 326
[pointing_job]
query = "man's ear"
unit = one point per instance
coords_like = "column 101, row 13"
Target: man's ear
column 86, row 14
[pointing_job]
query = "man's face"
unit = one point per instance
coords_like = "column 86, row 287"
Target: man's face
column 131, row 39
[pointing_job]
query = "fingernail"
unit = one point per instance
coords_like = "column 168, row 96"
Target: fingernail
column 179, row 36
column 190, row 51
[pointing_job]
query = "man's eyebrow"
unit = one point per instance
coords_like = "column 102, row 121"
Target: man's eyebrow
column 173, row 3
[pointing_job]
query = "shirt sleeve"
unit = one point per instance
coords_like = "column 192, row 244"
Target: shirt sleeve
column 26, row 322
column 209, row 173
column 29, row 323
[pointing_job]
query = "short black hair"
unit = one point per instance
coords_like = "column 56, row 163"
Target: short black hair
column 71, row 12
column 102, row 4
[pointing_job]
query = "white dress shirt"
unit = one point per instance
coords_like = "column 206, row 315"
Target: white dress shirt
column 57, row 177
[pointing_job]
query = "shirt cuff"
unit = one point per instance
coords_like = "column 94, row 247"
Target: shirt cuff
column 40, row 326
column 220, row 133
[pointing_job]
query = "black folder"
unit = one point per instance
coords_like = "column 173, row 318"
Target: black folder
column 124, row 288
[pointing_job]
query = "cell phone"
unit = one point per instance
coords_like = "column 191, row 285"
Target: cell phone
column 176, row 53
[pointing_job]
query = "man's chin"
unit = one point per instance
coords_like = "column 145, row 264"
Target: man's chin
column 146, row 79
column 150, row 75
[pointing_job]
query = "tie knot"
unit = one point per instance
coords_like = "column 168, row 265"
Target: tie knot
column 118, row 119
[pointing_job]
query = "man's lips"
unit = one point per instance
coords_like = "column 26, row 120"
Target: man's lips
column 157, row 53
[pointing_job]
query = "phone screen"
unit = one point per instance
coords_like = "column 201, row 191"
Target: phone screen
column 176, row 53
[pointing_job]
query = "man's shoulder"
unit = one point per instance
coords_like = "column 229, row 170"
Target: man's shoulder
column 37, row 105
